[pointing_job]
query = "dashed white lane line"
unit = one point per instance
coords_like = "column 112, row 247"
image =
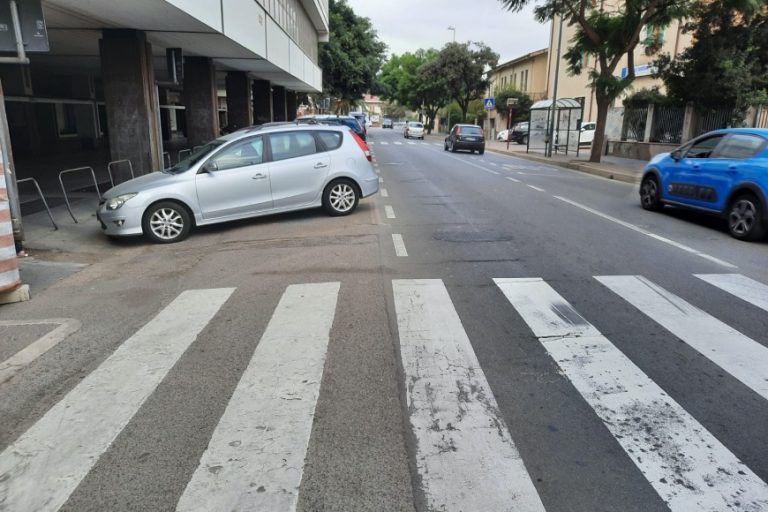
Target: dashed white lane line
column 44, row 466
column 411, row 143
column 510, row 178
column 534, row 187
column 686, row 465
column 384, row 192
column 425, row 143
column 383, row 143
column 255, row 457
column 493, row 164
column 647, row 233
column 436, row 144
column 15, row 363
column 390, row 212
column 381, row 180
column 465, row 455
column 397, row 240
column 398, row 143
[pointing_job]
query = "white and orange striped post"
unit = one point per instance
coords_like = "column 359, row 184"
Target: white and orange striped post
column 11, row 289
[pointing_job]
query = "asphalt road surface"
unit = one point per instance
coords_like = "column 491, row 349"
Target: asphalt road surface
column 486, row 334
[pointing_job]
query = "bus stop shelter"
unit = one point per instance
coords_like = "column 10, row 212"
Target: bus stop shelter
column 567, row 115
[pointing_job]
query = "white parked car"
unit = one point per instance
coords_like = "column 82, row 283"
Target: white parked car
column 413, row 129
column 587, row 134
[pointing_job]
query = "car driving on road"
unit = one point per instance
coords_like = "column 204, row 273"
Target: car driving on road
column 249, row 173
column 723, row 173
column 465, row 137
column 413, row 129
column 387, row 123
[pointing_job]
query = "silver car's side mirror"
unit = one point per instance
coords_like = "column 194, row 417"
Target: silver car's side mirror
column 210, row 167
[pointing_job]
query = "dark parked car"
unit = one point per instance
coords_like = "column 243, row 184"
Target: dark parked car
column 519, row 133
column 724, row 173
column 465, row 136
column 347, row 121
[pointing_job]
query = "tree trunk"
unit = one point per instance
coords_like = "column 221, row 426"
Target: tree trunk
column 603, row 104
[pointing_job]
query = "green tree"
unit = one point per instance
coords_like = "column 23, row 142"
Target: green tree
column 608, row 35
column 522, row 110
column 462, row 67
column 394, row 111
column 352, row 57
column 727, row 64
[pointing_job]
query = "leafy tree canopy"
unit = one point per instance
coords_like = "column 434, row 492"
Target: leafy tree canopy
column 609, row 35
column 523, row 108
column 352, row 57
column 727, row 64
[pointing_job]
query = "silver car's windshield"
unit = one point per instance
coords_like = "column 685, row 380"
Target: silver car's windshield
column 195, row 157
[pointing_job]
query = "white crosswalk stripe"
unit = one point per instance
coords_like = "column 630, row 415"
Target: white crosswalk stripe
column 263, row 435
column 382, row 143
column 742, row 357
column 686, row 465
column 465, row 455
column 398, row 143
column 44, row 465
column 741, row 286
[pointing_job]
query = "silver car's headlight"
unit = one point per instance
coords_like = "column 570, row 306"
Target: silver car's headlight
column 117, row 202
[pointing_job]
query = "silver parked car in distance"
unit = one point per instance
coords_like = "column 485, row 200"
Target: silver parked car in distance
column 251, row 172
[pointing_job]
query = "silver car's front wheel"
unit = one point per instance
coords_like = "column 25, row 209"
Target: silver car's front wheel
column 166, row 222
column 340, row 197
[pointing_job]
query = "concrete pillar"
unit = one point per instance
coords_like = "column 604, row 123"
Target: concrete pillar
column 201, row 104
column 262, row 102
column 291, row 104
column 129, row 94
column 239, row 111
column 279, row 103
column 689, row 122
column 649, row 123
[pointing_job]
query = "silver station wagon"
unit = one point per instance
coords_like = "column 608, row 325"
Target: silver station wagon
column 252, row 172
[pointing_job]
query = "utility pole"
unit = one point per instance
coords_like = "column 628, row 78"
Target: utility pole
column 451, row 27
column 551, row 127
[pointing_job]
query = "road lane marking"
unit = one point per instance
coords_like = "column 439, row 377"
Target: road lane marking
column 741, row 286
column 510, row 178
column 255, row 458
column 398, row 143
column 384, row 192
column 686, row 465
column 436, row 144
column 493, row 164
column 382, row 143
column 647, row 233
column 426, row 144
column 411, row 142
column 397, row 240
column 42, row 468
column 465, row 456
column 18, row 361
column 381, row 180
column 390, row 212
column 742, row 357
column 536, row 188
column 371, row 143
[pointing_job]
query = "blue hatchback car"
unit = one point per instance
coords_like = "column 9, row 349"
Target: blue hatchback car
column 724, row 172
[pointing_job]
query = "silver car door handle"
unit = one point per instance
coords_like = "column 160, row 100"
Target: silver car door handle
column 320, row 165
column 258, row 176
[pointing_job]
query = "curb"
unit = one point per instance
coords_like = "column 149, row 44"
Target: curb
column 617, row 175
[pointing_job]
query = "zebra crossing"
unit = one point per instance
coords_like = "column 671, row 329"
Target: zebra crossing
column 464, row 452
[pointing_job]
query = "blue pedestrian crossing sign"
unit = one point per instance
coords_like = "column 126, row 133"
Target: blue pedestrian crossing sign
column 489, row 103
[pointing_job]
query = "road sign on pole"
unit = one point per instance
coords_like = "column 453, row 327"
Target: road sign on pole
column 489, row 103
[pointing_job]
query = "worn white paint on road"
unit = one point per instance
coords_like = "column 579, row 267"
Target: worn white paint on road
column 255, row 458
column 464, row 453
column 742, row 357
column 398, row 143
column 384, row 143
column 534, row 187
column 390, row 212
column 381, row 180
column 397, row 240
column 646, row 232
column 45, row 464
column 18, row 361
column 411, row 143
column 383, row 192
column 754, row 292
column 510, row 178
column 686, row 465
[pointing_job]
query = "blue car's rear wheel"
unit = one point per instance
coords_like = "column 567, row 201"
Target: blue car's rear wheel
column 745, row 218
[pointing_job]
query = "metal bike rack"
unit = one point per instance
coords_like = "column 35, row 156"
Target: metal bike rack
column 166, row 158
column 114, row 162
column 64, row 190
column 186, row 152
column 39, row 191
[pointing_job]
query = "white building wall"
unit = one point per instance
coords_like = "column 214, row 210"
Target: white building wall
column 245, row 23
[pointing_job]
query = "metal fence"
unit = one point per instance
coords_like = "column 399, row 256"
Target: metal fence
column 634, row 123
column 667, row 125
column 709, row 120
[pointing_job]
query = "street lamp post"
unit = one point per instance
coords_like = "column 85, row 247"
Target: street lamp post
column 454, row 32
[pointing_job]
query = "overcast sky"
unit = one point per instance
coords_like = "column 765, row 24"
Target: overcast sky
column 407, row 25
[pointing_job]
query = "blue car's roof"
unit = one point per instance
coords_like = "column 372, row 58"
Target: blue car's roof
column 755, row 131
